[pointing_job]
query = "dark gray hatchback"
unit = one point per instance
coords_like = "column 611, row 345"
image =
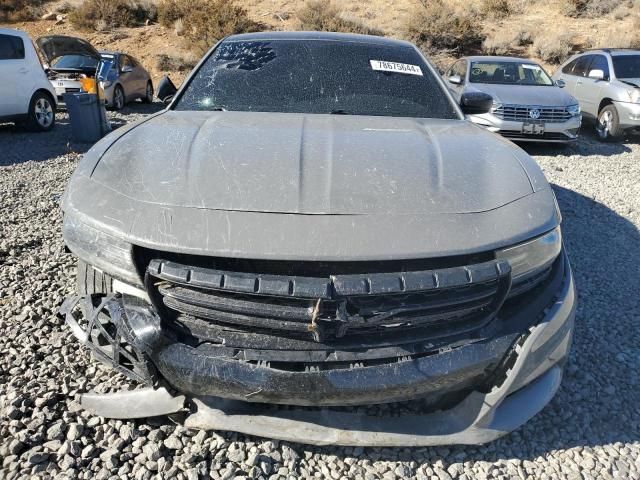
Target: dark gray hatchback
column 313, row 223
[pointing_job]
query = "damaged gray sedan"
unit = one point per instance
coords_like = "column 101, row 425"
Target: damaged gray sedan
column 310, row 230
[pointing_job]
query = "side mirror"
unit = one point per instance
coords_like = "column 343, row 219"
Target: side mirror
column 596, row 74
column 455, row 79
column 166, row 90
column 126, row 69
column 476, row 103
column 561, row 83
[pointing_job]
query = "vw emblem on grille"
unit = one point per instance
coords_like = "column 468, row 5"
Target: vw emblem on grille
column 534, row 113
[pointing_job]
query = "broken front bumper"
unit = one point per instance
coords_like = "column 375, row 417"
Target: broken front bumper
column 529, row 374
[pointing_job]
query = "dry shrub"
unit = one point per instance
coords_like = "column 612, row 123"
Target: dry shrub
column 178, row 27
column 106, row 14
column 64, row 7
column 166, row 63
column 553, row 49
column 628, row 37
column 210, row 20
column 325, row 16
column 169, row 11
column 589, row 8
column 496, row 8
column 204, row 22
column 523, row 38
column 20, row 10
column 436, row 25
column 501, row 43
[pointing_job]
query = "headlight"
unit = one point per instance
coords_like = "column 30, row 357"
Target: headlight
column 495, row 106
column 634, row 95
column 574, row 110
column 533, row 256
column 106, row 83
column 105, row 252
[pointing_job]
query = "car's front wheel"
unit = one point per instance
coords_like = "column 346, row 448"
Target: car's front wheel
column 608, row 124
column 148, row 97
column 42, row 113
column 118, row 98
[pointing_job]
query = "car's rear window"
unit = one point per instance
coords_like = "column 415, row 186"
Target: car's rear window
column 11, row 47
column 317, row 76
column 626, row 66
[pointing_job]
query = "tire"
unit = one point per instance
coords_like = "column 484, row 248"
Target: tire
column 148, row 98
column 89, row 280
column 118, row 98
column 608, row 124
column 42, row 113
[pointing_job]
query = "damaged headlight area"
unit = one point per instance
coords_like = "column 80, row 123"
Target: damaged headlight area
column 104, row 252
column 531, row 261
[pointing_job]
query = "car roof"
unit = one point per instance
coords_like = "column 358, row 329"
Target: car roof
column 14, row 31
column 312, row 36
column 498, row 58
column 614, row 51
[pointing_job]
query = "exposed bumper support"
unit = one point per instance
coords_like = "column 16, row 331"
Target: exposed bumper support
column 326, row 427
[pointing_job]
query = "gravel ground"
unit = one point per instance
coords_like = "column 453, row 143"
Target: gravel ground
column 591, row 430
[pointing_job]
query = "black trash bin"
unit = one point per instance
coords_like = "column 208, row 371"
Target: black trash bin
column 88, row 122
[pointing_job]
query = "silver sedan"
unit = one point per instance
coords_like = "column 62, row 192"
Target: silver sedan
column 527, row 104
column 124, row 79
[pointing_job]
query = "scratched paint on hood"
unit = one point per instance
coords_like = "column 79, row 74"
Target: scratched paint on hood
column 313, row 164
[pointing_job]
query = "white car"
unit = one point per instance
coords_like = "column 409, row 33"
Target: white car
column 26, row 95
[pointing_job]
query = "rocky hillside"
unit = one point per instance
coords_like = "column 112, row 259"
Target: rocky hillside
column 168, row 36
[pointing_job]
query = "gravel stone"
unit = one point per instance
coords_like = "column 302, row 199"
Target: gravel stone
column 590, row 430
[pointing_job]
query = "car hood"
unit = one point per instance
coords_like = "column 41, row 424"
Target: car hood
column 55, row 46
column 526, row 95
column 312, row 164
column 631, row 81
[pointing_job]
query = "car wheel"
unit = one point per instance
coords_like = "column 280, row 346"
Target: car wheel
column 118, row 98
column 42, row 113
column 148, row 98
column 608, row 124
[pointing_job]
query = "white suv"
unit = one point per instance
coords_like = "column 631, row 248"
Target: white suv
column 26, row 95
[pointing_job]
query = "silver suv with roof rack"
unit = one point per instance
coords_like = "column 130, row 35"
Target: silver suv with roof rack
column 606, row 82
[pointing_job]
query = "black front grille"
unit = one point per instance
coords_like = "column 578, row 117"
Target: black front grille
column 353, row 310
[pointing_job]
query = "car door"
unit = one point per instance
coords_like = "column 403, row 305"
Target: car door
column 127, row 78
column 579, row 73
column 588, row 89
column 15, row 88
column 140, row 76
column 573, row 72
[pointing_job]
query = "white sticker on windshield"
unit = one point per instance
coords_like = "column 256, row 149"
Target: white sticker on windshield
column 531, row 67
column 384, row 66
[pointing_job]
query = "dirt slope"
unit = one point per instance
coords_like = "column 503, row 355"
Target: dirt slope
column 536, row 17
